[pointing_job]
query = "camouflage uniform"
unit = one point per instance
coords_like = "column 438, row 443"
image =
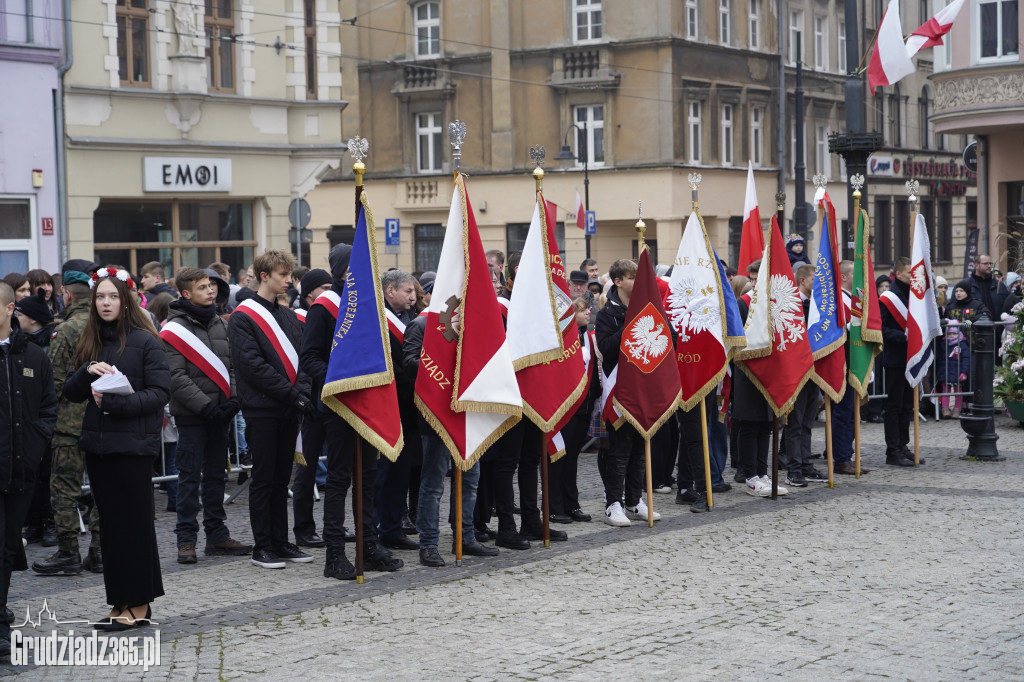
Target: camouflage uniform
column 68, row 461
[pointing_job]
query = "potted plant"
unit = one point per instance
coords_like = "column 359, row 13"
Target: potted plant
column 1009, row 382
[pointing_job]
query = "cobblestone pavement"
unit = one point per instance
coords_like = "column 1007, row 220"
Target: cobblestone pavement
column 906, row 574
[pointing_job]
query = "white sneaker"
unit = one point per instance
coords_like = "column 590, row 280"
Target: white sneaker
column 639, row 512
column 663, row 490
column 613, row 515
column 756, row 488
column 768, row 482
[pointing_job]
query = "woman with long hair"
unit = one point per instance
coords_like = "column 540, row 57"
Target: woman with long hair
column 19, row 283
column 120, row 438
column 41, row 279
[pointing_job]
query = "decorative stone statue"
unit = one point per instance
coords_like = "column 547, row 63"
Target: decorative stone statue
column 185, row 27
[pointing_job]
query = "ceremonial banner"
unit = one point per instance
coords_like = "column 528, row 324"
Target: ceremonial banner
column 923, row 324
column 866, row 322
column 543, row 338
column 581, row 213
column 360, row 381
column 778, row 355
column 752, row 236
column 697, row 304
column 826, row 320
column 647, row 388
column 466, row 386
column 889, row 59
column 929, row 34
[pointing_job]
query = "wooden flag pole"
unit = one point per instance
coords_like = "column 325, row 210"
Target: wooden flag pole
column 917, row 423
column 828, row 442
column 545, row 500
column 856, row 434
column 650, row 483
column 707, row 456
column 912, row 188
column 775, row 459
column 457, row 482
column 357, row 500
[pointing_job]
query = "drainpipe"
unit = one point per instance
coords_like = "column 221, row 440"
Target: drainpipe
column 62, row 194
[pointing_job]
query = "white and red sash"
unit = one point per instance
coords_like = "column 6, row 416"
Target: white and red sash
column 589, row 343
column 266, row 322
column 895, row 306
column 301, row 314
column 330, row 300
column 395, row 325
column 198, row 353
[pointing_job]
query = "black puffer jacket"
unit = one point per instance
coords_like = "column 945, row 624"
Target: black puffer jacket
column 191, row 389
column 28, row 411
column 318, row 332
column 894, row 336
column 610, row 321
column 748, row 403
column 127, row 424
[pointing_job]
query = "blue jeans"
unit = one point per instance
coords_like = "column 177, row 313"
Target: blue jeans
column 435, row 468
column 169, row 469
column 240, row 432
column 842, row 427
column 201, row 459
column 718, row 448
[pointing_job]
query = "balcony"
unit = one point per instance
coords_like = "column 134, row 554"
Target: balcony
column 423, row 79
column 583, row 68
column 980, row 99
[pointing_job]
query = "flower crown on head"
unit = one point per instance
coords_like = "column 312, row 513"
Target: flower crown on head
column 110, row 272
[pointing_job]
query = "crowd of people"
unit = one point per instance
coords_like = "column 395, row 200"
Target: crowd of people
column 110, row 381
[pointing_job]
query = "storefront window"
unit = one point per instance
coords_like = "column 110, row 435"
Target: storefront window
column 15, row 235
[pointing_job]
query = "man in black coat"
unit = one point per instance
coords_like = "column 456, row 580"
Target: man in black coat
column 28, row 415
column 986, row 288
column 899, row 406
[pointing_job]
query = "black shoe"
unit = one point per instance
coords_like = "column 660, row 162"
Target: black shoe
column 817, row 455
column 5, row 647
column 93, row 561
column 897, row 459
column 400, row 542
column 245, row 460
column 339, row 567
column 312, row 540
column 578, row 514
column 538, row 534
column 795, row 479
column 721, row 488
column 815, row 476
column 265, row 559
column 909, row 454
column 512, row 540
column 484, row 534
column 476, row 549
column 350, row 535
column 561, row 518
column 61, row 563
column 32, row 534
column 7, row 616
column 49, row 535
column 290, row 552
column 430, row 557
column 688, row 496
column 408, row 527
column 700, row 505
column 738, row 477
column 114, row 625
column 377, row 558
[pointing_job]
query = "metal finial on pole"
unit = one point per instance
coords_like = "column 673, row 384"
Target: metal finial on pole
column 694, row 180
column 820, row 180
column 913, row 187
column 780, row 207
column 456, row 134
column 856, row 181
column 641, row 226
column 359, row 148
column 537, row 154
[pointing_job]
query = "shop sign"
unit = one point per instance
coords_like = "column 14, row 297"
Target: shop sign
column 880, row 165
column 949, row 189
column 185, row 174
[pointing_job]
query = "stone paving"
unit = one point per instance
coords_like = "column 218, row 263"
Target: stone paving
column 905, row 574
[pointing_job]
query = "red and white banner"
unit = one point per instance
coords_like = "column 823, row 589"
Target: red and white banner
column 929, row 34
column 198, row 353
column 889, row 59
column 752, row 236
column 265, row 321
column 581, row 213
column 923, row 325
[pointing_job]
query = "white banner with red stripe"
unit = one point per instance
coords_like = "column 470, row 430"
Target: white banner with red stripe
column 198, row 353
column 265, row 321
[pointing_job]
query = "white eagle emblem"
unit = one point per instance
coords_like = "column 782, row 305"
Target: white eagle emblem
column 786, row 311
column 919, row 280
column 692, row 307
column 648, row 340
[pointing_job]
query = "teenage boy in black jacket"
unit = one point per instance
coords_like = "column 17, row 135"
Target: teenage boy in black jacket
column 898, row 403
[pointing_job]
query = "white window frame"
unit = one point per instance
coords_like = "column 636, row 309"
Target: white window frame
column 430, row 25
column 823, row 164
column 595, row 128
column 728, row 150
column 30, row 244
column 430, row 129
column 976, row 37
column 585, row 10
column 841, row 46
column 757, row 136
column 692, row 19
column 924, row 106
column 754, row 24
column 724, row 22
column 694, row 128
column 821, row 43
column 796, row 25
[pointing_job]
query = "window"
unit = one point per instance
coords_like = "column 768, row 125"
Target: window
column 895, row 118
column 754, row 17
column 428, row 242
column 310, row 32
column 841, row 46
column 590, row 136
column 757, row 136
column 17, row 253
column 427, row 27
column 727, row 155
column 901, row 227
column 694, row 128
column 691, row 19
column 176, row 233
column 997, row 21
column 796, row 22
column 924, row 124
column 944, row 230
column 515, row 236
column 723, row 21
column 821, row 157
column 820, row 43
column 587, row 20
column 883, row 233
column 220, row 43
column 132, row 41
column 428, row 142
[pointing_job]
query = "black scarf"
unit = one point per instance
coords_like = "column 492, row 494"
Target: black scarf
column 202, row 313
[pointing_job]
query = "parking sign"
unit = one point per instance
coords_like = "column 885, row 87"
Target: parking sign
column 591, row 223
column 392, row 236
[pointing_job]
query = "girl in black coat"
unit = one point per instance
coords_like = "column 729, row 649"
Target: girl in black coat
column 120, row 438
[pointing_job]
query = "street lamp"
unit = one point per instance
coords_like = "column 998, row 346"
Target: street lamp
column 566, row 158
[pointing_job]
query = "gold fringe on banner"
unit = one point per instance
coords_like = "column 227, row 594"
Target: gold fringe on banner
column 442, row 433
column 646, row 433
column 785, row 408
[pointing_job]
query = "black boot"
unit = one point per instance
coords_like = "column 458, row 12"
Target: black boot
column 32, row 534
column 61, row 563
column 49, row 534
column 377, row 558
column 93, row 560
column 338, row 566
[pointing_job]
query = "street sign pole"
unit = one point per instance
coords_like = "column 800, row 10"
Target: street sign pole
column 393, row 237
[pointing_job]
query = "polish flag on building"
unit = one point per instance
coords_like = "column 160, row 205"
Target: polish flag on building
column 889, row 59
column 581, row 213
column 466, row 386
column 752, row 237
column 929, row 34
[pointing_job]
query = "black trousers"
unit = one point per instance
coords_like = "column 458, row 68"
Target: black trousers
column 40, row 511
column 272, row 445
column 565, row 494
column 529, row 477
column 664, row 444
column 341, row 454
column 124, row 496
column 622, row 466
column 13, row 507
column 753, row 439
column 500, row 463
column 796, row 434
column 899, row 408
column 691, row 444
column 313, row 436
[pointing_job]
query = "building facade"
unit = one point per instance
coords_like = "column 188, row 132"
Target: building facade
column 191, row 126
column 31, row 54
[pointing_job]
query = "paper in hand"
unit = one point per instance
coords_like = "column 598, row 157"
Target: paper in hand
column 115, row 384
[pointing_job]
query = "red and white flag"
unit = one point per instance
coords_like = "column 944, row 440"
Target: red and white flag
column 752, row 237
column 889, row 59
column 778, row 354
column 929, row 34
column 581, row 213
column 923, row 324
column 466, row 386
column 543, row 337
